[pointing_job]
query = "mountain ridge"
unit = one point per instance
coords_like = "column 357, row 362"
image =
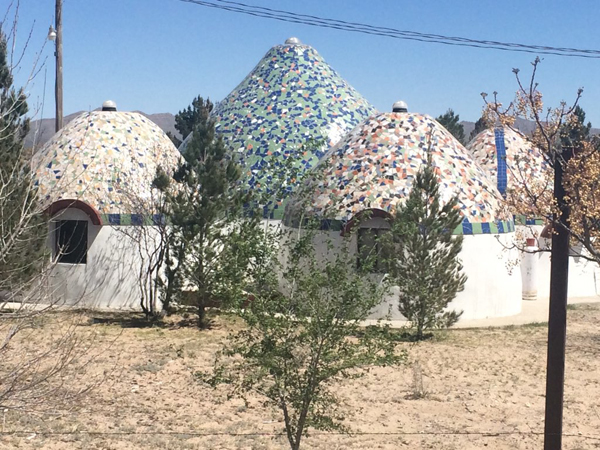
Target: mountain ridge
column 42, row 130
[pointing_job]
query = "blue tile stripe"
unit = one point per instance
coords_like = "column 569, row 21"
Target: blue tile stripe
column 131, row 219
column 501, row 157
column 465, row 228
column 521, row 219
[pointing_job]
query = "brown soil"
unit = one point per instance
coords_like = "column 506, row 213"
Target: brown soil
column 487, row 385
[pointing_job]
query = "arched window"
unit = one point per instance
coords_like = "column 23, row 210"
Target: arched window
column 71, row 233
column 373, row 238
column 71, row 241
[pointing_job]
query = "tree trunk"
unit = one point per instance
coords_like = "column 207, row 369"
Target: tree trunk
column 201, row 315
column 201, row 303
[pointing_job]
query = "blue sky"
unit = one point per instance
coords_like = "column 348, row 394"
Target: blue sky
column 157, row 55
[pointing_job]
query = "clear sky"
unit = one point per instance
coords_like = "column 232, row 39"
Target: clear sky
column 157, row 55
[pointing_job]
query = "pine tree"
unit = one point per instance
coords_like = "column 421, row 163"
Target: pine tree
column 186, row 119
column 425, row 264
column 451, row 122
column 480, row 125
column 210, row 235
column 575, row 132
column 23, row 231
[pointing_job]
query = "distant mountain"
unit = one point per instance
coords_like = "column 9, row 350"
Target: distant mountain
column 42, row 130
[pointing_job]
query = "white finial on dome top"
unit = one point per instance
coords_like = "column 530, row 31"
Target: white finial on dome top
column 293, row 41
column 400, row 106
column 109, row 105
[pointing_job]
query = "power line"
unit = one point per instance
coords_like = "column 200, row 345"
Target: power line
column 316, row 21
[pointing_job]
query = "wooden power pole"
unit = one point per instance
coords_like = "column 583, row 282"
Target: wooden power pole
column 557, row 321
column 58, row 88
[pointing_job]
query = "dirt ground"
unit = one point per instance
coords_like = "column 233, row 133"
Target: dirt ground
column 465, row 389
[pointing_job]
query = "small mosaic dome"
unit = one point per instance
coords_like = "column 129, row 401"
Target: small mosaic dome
column 107, row 159
column 509, row 158
column 292, row 103
column 374, row 166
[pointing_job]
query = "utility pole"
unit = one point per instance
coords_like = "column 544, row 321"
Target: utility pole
column 557, row 321
column 58, row 88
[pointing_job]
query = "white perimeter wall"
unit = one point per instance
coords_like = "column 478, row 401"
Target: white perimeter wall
column 110, row 279
column 491, row 290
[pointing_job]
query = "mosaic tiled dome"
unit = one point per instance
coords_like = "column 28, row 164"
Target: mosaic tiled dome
column 107, row 159
column 507, row 157
column 374, row 166
column 289, row 98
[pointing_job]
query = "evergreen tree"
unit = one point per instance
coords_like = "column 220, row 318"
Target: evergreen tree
column 480, row 125
column 210, row 236
column 575, row 132
column 451, row 122
column 23, row 231
column 196, row 113
column 425, row 264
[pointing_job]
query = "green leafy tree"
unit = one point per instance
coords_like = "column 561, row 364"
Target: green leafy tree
column 210, row 237
column 451, row 122
column 298, row 343
column 425, row 264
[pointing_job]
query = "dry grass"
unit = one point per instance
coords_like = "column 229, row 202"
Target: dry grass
column 489, row 381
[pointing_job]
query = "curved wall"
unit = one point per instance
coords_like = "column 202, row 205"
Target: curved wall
column 110, row 278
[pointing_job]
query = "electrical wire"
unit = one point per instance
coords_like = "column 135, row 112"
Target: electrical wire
column 311, row 20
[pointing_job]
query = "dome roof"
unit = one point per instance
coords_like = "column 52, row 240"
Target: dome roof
column 508, row 157
column 374, row 166
column 289, row 99
column 107, row 159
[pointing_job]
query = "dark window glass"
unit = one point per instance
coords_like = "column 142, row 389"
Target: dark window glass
column 373, row 248
column 71, row 241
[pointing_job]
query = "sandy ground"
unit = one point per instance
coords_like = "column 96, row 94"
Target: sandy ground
column 487, row 385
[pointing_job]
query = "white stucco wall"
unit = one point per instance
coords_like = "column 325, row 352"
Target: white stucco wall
column 491, row 290
column 110, row 277
column 584, row 275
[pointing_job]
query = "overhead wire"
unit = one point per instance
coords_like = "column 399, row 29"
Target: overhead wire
column 312, row 20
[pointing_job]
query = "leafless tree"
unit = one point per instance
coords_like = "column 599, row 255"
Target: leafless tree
column 553, row 136
column 35, row 375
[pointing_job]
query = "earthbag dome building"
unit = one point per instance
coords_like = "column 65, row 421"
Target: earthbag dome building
column 291, row 105
column 373, row 169
column 94, row 177
column 521, row 173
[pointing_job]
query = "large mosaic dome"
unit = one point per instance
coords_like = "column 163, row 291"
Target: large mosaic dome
column 291, row 104
column 374, row 167
column 107, row 159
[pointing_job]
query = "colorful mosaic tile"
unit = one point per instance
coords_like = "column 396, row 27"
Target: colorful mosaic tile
column 511, row 165
column 107, row 159
column 290, row 98
column 375, row 165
